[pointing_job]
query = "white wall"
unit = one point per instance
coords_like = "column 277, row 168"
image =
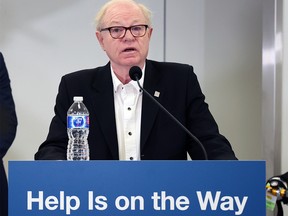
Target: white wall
column 223, row 41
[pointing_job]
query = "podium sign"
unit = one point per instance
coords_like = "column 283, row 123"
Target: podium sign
column 142, row 188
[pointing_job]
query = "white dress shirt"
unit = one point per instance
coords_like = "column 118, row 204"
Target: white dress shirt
column 128, row 106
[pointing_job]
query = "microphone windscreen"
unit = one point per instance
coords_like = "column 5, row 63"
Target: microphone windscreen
column 135, row 73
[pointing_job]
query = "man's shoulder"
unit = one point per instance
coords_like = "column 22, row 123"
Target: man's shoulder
column 169, row 65
column 2, row 63
column 86, row 73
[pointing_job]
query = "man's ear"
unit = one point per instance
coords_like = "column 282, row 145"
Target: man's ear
column 150, row 32
column 100, row 39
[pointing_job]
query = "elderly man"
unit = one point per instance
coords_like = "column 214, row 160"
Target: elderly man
column 125, row 124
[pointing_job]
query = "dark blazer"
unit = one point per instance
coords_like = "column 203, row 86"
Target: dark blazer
column 161, row 138
column 8, row 125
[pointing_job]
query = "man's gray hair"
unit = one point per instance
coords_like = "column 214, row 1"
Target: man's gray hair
column 100, row 15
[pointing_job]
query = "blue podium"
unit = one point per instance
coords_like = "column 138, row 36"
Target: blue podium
column 142, row 188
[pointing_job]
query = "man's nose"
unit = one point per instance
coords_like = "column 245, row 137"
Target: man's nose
column 128, row 34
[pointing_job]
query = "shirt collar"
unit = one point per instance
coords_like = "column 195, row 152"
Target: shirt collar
column 117, row 82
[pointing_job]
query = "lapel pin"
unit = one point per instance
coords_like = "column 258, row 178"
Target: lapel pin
column 156, row 94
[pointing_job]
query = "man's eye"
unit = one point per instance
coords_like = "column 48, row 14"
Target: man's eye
column 117, row 30
column 136, row 28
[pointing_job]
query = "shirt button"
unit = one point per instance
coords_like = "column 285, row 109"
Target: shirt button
column 131, row 158
column 129, row 108
column 130, row 133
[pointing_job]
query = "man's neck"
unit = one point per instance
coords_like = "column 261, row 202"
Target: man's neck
column 123, row 76
column 122, row 73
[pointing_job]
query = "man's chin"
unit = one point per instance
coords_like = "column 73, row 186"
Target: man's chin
column 132, row 63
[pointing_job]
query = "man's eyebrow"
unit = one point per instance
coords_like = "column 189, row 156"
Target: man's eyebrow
column 118, row 23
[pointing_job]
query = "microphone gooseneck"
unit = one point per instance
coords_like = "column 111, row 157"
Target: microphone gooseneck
column 135, row 74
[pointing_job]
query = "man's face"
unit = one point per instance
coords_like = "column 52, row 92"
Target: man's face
column 129, row 50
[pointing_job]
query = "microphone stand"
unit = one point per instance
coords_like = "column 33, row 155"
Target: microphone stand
column 173, row 117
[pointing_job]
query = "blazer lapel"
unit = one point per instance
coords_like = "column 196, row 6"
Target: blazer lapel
column 149, row 108
column 103, row 102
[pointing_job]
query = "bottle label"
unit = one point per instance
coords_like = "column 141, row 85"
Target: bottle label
column 78, row 121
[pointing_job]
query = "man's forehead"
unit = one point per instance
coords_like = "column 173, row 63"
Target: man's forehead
column 122, row 9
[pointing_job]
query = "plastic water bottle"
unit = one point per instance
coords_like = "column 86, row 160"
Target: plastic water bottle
column 78, row 130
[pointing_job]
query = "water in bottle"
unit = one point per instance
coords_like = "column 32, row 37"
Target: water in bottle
column 78, row 130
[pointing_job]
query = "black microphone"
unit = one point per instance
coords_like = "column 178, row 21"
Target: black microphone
column 135, row 74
